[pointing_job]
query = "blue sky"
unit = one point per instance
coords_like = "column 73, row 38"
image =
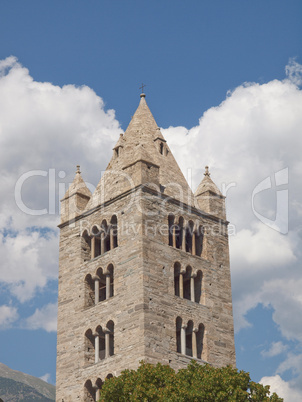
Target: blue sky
column 70, row 74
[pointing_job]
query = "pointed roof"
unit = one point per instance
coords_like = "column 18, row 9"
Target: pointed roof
column 142, row 125
column 207, row 184
column 141, row 142
column 78, row 186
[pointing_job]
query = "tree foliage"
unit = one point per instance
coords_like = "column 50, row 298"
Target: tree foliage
column 195, row 383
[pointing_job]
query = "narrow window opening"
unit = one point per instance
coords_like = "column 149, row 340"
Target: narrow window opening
column 187, row 284
column 178, row 334
column 189, row 235
column 114, row 231
column 86, row 246
column 110, row 282
column 199, row 241
column 89, row 347
column 89, row 291
column 200, row 343
column 198, row 287
column 102, row 288
column 176, row 278
column 110, row 327
column 102, row 343
column 102, row 284
column 189, row 331
column 161, row 148
column 107, row 243
column 171, row 228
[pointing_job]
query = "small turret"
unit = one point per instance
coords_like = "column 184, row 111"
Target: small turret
column 75, row 198
column 208, row 197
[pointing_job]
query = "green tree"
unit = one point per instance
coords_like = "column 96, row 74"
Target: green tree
column 202, row 383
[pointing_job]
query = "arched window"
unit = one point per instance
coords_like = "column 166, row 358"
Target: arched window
column 86, row 246
column 176, row 278
column 190, row 340
column 99, row 287
column 89, row 347
column 113, row 232
column 92, row 392
column 89, row 392
column 178, row 334
column 104, row 341
column 89, row 291
column 97, row 388
column 171, row 219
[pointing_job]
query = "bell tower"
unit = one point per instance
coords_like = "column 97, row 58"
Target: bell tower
column 144, row 268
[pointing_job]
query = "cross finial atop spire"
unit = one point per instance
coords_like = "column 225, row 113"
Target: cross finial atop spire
column 142, row 88
column 207, row 173
column 78, row 169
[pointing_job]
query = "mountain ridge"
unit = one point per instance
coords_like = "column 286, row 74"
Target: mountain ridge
column 15, row 384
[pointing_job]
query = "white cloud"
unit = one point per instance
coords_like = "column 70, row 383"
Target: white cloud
column 46, row 377
column 292, row 364
column 29, row 260
column 284, row 295
column 8, row 315
column 282, row 388
column 250, row 247
column 254, row 133
column 276, row 349
column 294, row 72
column 248, row 138
column 44, row 318
column 251, row 135
column 42, row 127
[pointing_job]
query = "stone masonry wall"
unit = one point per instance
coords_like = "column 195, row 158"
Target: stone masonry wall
column 144, row 307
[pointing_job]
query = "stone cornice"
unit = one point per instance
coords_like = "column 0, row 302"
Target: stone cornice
column 144, row 188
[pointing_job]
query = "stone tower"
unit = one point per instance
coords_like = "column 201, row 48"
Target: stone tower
column 144, row 268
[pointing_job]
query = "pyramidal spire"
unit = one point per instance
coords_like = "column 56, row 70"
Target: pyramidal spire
column 75, row 198
column 142, row 142
column 142, row 125
column 207, row 184
column 78, row 186
column 209, row 198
